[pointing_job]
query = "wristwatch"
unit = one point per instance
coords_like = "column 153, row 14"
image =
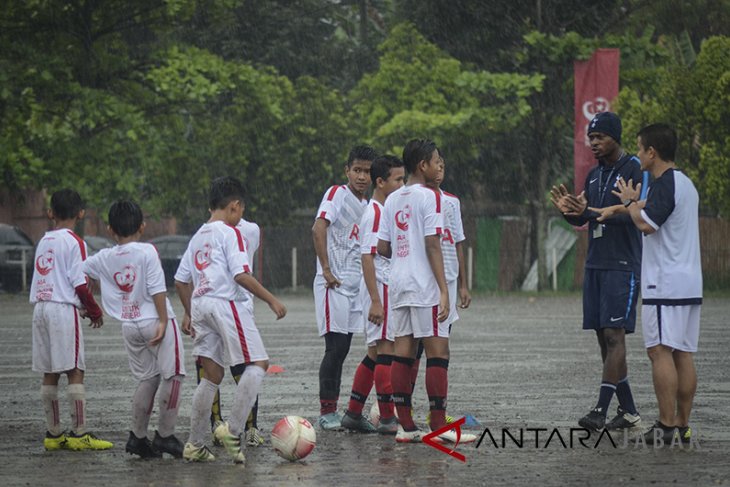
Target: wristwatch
column 628, row 202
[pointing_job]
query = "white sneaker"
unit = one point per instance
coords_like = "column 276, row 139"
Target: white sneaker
column 450, row 437
column 403, row 436
column 193, row 453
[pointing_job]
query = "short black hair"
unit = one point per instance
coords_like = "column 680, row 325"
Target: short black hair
column 662, row 138
column 223, row 190
column 125, row 217
column 66, row 204
column 382, row 166
column 417, row 150
column 362, row 152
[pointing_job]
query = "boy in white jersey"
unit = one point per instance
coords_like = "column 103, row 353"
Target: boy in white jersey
column 387, row 174
column 336, row 235
column 61, row 297
column 251, row 238
column 671, row 272
column 213, row 268
column 411, row 235
column 133, row 291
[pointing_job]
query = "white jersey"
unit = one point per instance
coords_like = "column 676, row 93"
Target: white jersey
column 58, row 270
column 453, row 234
column 343, row 210
column 215, row 255
column 251, row 234
column 369, row 226
column 130, row 275
column 671, row 270
column 411, row 214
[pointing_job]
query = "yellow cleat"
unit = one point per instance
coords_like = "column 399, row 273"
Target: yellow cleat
column 193, row 453
column 51, row 442
column 86, row 441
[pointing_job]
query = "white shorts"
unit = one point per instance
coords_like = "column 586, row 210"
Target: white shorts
column 421, row 322
column 334, row 311
column 58, row 338
column 225, row 332
column 453, row 299
column 145, row 362
column 676, row 327
column 374, row 332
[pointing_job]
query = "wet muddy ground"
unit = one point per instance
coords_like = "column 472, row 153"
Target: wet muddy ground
column 518, row 364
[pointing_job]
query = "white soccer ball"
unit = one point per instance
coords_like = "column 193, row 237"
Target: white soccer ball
column 293, row 438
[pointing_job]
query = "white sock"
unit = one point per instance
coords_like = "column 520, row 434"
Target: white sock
column 202, row 402
column 77, row 398
column 246, row 392
column 49, row 397
column 168, row 401
column 142, row 401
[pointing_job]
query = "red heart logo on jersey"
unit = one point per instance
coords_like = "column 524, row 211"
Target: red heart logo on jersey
column 125, row 278
column 44, row 263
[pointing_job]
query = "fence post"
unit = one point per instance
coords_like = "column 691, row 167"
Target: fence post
column 469, row 267
column 24, row 272
column 294, row 268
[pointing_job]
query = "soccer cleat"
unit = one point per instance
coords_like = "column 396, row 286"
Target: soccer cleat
column 168, row 444
column 403, row 436
column 141, row 447
column 220, row 431
column 624, row 421
column 357, row 423
column 51, row 442
column 193, row 453
column 330, row 422
column 254, row 437
column 388, row 426
column 595, row 420
column 451, row 437
column 660, row 432
column 232, row 444
column 685, row 434
column 86, row 441
column 449, row 419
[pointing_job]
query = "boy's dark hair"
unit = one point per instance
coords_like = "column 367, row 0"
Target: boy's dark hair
column 417, row 150
column 125, row 218
column 362, row 152
column 66, row 204
column 223, row 190
column 662, row 138
column 382, row 166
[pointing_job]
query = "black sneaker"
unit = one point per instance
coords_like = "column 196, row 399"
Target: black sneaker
column 357, row 422
column 141, row 446
column 660, row 432
column 169, row 444
column 624, row 421
column 595, row 420
column 685, row 434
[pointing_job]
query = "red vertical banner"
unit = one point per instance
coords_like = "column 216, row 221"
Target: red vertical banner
column 596, row 86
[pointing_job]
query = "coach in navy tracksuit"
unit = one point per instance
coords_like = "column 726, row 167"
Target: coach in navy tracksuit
column 612, row 268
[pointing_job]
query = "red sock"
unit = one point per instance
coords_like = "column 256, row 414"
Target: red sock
column 437, row 385
column 361, row 385
column 414, row 374
column 400, row 378
column 383, row 386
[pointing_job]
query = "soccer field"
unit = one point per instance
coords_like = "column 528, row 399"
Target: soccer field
column 518, row 363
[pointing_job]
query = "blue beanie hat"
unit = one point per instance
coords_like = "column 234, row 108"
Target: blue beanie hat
column 607, row 123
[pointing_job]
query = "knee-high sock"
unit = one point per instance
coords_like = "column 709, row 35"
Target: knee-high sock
column 142, row 402
column 246, row 391
column 251, row 421
column 337, row 346
column 49, row 398
column 77, row 400
column 215, row 409
column 437, row 385
column 168, row 400
column 625, row 398
column 400, row 378
column 362, row 384
column 202, row 399
column 383, row 387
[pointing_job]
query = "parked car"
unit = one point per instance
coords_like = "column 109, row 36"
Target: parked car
column 95, row 243
column 14, row 245
column 171, row 249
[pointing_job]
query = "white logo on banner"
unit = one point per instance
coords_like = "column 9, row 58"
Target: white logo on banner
column 590, row 108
